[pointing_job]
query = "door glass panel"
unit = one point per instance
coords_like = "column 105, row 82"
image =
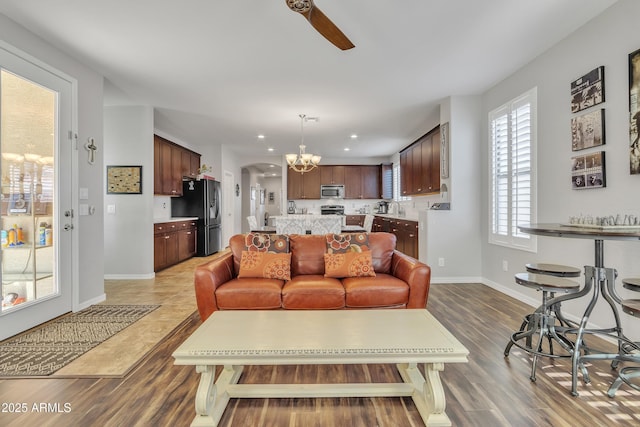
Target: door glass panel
column 28, row 115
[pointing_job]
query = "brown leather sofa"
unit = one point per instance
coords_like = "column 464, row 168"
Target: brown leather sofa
column 400, row 281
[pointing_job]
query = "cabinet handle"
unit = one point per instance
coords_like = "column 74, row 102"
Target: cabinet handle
column 167, row 237
column 412, row 235
column 188, row 232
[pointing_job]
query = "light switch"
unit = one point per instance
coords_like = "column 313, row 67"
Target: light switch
column 84, row 209
column 111, row 209
column 84, row 194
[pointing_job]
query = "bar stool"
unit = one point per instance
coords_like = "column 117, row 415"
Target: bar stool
column 630, row 350
column 557, row 270
column 542, row 322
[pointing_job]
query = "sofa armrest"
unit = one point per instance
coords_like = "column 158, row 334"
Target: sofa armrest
column 417, row 275
column 207, row 278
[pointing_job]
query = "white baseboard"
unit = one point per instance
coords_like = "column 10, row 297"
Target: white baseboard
column 129, row 276
column 440, row 280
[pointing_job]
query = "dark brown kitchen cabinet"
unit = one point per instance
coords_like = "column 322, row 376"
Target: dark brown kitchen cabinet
column 186, row 240
column 173, row 242
column 332, row 174
column 420, row 165
column 406, row 232
column 171, row 163
column 190, row 164
column 362, row 182
column 354, row 220
column 303, row 185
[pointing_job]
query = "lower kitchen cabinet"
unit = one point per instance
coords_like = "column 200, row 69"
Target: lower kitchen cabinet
column 354, row 220
column 173, row 242
column 406, row 232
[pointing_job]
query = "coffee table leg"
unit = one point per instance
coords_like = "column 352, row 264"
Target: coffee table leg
column 429, row 395
column 212, row 397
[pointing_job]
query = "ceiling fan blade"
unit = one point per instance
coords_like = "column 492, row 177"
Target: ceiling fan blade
column 321, row 23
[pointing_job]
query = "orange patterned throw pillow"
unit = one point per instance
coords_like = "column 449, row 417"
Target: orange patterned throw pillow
column 348, row 264
column 347, row 242
column 266, row 265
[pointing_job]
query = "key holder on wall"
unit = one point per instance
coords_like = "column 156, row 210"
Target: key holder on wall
column 91, row 148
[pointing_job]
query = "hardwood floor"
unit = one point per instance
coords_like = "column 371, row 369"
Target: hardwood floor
column 488, row 391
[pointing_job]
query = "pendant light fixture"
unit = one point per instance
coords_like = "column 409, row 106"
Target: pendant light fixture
column 303, row 162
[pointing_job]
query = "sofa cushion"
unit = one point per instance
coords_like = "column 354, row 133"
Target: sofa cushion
column 382, row 246
column 384, row 290
column 313, row 292
column 347, row 242
column 265, row 264
column 307, row 253
column 348, row 264
column 247, row 294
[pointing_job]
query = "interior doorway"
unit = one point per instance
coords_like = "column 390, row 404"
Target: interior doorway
column 262, row 193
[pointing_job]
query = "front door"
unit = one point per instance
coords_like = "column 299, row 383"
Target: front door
column 36, row 219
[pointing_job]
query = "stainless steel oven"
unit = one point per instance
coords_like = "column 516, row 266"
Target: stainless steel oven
column 332, row 191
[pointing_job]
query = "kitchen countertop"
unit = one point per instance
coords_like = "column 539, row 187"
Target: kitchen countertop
column 174, row 219
column 390, row 216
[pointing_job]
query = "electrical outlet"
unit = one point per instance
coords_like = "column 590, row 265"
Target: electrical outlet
column 440, row 262
column 505, row 265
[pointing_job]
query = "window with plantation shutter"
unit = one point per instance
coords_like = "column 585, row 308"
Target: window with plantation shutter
column 512, row 130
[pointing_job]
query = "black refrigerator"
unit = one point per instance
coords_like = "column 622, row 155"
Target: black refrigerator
column 202, row 199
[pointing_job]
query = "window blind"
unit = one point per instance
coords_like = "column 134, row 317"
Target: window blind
column 512, row 140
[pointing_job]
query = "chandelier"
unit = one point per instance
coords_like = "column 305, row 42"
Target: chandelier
column 303, row 162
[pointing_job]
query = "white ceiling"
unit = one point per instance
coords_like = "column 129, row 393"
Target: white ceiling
column 224, row 71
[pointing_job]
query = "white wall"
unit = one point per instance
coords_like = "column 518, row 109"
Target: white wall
column 89, row 229
column 128, row 241
column 454, row 235
column 607, row 40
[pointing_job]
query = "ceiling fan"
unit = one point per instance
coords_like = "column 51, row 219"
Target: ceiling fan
column 320, row 22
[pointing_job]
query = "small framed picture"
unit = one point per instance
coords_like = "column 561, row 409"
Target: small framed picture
column 588, row 90
column 587, row 130
column 124, row 179
column 588, row 171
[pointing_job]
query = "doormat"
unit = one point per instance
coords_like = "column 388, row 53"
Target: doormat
column 45, row 349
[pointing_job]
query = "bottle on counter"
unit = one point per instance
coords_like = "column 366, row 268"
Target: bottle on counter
column 19, row 235
column 11, row 237
column 48, row 235
column 41, row 234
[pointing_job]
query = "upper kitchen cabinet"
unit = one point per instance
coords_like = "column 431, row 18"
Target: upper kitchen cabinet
column 332, row 174
column 171, row 163
column 420, row 165
column 303, row 185
column 190, row 164
column 362, row 182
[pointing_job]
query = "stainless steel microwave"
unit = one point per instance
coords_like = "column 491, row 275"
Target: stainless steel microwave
column 332, row 191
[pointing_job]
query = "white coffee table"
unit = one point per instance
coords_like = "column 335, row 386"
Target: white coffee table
column 403, row 337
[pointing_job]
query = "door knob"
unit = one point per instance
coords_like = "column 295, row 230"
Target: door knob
column 68, row 227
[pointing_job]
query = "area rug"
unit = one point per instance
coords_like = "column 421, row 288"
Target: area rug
column 46, row 349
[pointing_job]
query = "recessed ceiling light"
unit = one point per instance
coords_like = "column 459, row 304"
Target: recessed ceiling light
column 347, row 149
column 272, row 166
column 354, row 136
column 261, row 136
column 270, row 149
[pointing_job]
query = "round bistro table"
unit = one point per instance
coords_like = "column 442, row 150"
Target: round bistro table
column 599, row 281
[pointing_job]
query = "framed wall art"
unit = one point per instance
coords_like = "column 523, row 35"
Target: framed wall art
column 588, row 90
column 588, row 171
column 587, row 130
column 124, row 179
column 634, row 112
